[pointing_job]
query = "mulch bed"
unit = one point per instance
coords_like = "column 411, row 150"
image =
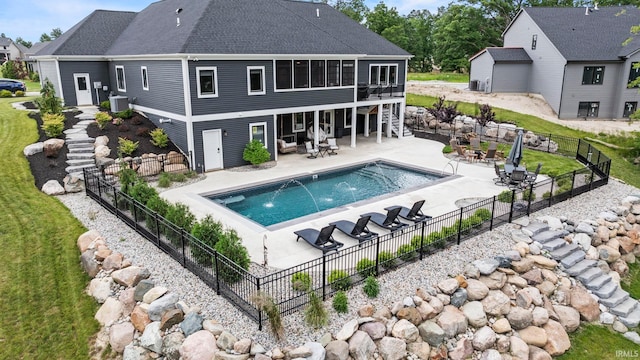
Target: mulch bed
column 136, row 129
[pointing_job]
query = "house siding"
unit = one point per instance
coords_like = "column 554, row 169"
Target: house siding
column 97, row 70
column 547, row 70
column 510, row 77
column 607, row 94
column 166, row 91
column 48, row 71
column 235, row 141
column 626, row 94
column 176, row 130
column 481, row 70
column 233, row 95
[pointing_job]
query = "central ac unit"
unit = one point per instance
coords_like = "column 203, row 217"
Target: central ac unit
column 119, row 103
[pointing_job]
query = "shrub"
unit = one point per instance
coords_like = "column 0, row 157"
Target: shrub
column 105, row 105
column 178, row 177
column 406, row 252
column 142, row 131
column 141, row 191
column 366, row 267
column 158, row 205
column 265, row 303
column 506, row 196
column 34, row 76
column 5, row 94
column 340, row 302
column 164, row 180
column 301, row 281
column 53, row 124
column 159, row 138
column 528, row 195
column 546, row 195
column 136, row 119
column 19, row 93
column 416, row 240
column 230, row 245
column 127, row 177
column 208, row 231
column 126, row 146
column 125, row 114
column 180, row 215
column 386, row 259
column 48, row 103
column 315, row 314
column 371, row 287
column 484, row 214
column 102, row 119
column 339, row 280
column 474, row 220
column 255, row 153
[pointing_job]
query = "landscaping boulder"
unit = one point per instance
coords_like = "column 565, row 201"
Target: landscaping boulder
column 392, row 348
column 130, row 276
column 33, row 149
column 361, row 347
column 452, row 321
column 337, row 350
column 200, row 345
column 120, row 335
column 558, row 341
column 484, row 338
column 52, row 187
column 109, row 312
column 431, row 333
column 51, row 148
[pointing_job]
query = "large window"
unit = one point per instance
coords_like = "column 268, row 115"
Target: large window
column 383, row 74
column 588, row 109
column 333, row 72
column 348, row 72
column 255, row 80
column 629, row 108
column 317, row 73
column 301, row 74
column 305, row 74
column 258, row 131
column 207, row 82
column 592, row 75
column 634, row 72
column 121, row 82
column 283, row 74
column 145, row 78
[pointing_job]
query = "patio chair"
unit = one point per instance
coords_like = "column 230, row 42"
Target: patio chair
column 490, row 155
column 333, row 146
column 322, row 239
column 516, row 180
column 286, row 147
column 311, row 150
column 502, row 178
column 389, row 221
column 414, row 214
column 358, row 230
column 474, row 144
column 531, row 177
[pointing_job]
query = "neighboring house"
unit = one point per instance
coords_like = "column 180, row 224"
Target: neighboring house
column 10, row 50
column 216, row 74
column 30, row 52
column 574, row 57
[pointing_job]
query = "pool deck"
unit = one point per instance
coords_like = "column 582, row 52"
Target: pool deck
column 475, row 180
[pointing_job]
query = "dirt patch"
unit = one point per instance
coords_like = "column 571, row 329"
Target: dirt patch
column 531, row 104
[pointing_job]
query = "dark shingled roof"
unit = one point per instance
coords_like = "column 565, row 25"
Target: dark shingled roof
column 5, row 41
column 594, row 37
column 33, row 50
column 515, row 55
column 93, row 35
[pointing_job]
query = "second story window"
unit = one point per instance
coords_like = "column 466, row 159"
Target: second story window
column 593, row 75
column 120, row 80
column 348, row 73
column 207, row 82
column 309, row 74
column 383, row 74
column 283, row 74
column 317, row 73
column 300, row 74
column 333, row 73
column 255, row 80
column 634, row 73
column 145, row 78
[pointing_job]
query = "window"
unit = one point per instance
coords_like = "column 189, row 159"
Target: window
column 258, row 131
column 534, row 41
column 588, row 109
column 300, row 74
column 145, row 79
column 383, row 74
column 373, row 74
column 634, row 72
column 317, row 73
column 120, row 80
column 348, row 73
column 629, row 108
column 592, row 75
column 207, row 82
column 333, row 72
column 298, row 122
column 283, row 74
column 347, row 119
column 255, row 80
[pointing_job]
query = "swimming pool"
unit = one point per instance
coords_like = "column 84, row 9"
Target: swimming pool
column 281, row 201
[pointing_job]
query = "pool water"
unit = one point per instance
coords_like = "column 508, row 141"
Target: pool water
column 290, row 199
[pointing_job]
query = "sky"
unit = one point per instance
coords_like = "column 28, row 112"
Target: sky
column 28, row 19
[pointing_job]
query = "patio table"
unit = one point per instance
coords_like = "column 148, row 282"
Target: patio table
column 508, row 168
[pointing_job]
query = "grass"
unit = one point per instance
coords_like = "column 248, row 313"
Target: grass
column 44, row 313
column 32, row 85
column 452, row 77
column 631, row 282
column 596, row 342
column 621, row 168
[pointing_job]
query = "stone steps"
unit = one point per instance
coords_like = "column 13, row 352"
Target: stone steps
column 74, row 146
column 80, row 162
column 80, row 156
column 580, row 267
column 77, row 168
column 546, row 236
column 554, row 244
column 631, row 320
column 563, row 251
column 625, row 308
column 616, row 297
column 80, row 140
column 536, row 228
column 575, row 257
column 598, row 282
column 590, row 274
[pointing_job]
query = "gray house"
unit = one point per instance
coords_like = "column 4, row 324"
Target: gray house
column 576, row 58
column 216, row 74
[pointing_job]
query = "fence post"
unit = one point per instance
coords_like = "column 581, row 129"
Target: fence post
column 115, row 202
column 257, row 308
column 591, row 178
column 578, row 149
column 460, row 225
column 493, row 212
column 549, row 144
column 513, row 200
column 324, row 276
column 135, row 214
column 155, row 215
column 215, row 260
column 377, row 252
column 422, row 240
column 573, row 181
column 182, row 241
column 529, row 201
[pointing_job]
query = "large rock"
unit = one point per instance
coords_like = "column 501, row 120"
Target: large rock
column 405, row 330
column 112, row 262
column 226, row 340
column 533, row 336
column 476, row 290
column 337, row 350
column 620, row 266
column 494, row 281
column 543, row 261
column 431, row 333
column 486, row 266
column 132, row 352
column 458, row 298
column 160, row 306
column 101, row 140
column 130, row 276
column 300, row 352
column 426, row 310
column 120, row 335
column 475, row 314
column 171, row 344
column 536, row 353
column 586, row 305
column 361, row 347
column 533, row 276
column 87, row 240
column 376, row 330
column 89, row 263
column 152, row 337
column 51, row 148
column 392, row 349
column 109, row 312
column 463, row 350
column 52, row 187
column 501, row 326
column 484, row 338
column 153, row 294
column 569, row 317
column 149, row 168
column 348, row 329
column 496, row 303
column 100, row 289
column 192, row 323
column 33, row 149
column 519, row 318
column 101, row 151
column 584, row 228
column 172, row 317
column 317, row 351
column 140, row 318
column 540, row 316
column 142, row 288
column 128, row 303
column 200, row 345
column 452, row 321
column 557, row 339
column 522, row 266
column 518, row 348
column 72, row 184
column 608, row 253
column 448, row 286
column 411, row 314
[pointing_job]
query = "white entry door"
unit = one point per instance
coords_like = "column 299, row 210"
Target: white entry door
column 83, row 90
column 327, row 122
column 212, row 147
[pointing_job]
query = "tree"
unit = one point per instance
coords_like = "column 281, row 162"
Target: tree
column 382, row 18
column 23, row 42
column 419, row 28
column 45, row 37
column 55, row 33
column 355, row 9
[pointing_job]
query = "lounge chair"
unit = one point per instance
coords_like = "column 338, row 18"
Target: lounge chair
column 312, row 151
column 322, row 239
column 502, row 178
column 286, row 147
column 358, row 231
column 333, row 146
column 414, row 214
column 389, row 221
column 531, row 177
column 490, row 155
column 516, row 180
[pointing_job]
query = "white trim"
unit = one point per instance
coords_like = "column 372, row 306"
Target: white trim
column 293, row 122
column 160, row 113
column 144, row 76
column 262, row 79
column 88, row 85
column 215, row 81
column 220, row 57
column 186, row 85
column 61, row 96
column 124, row 79
column 265, row 134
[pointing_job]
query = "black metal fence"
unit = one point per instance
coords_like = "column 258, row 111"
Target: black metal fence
column 349, row 266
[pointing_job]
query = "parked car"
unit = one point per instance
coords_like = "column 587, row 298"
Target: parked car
column 12, row 85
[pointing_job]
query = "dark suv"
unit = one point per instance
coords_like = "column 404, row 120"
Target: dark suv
column 12, row 85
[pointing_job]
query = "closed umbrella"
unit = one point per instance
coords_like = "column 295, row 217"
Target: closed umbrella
column 515, row 154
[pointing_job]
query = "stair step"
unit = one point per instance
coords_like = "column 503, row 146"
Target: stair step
column 575, row 257
column 547, row 235
column 80, row 162
column 536, row 228
column 625, row 308
column 80, row 140
column 581, row 266
column 78, row 168
column 80, row 146
column 590, row 274
column 632, row 320
column 80, row 155
column 613, row 298
column 85, row 123
column 597, row 282
column 75, row 130
column 554, row 244
column 564, row 251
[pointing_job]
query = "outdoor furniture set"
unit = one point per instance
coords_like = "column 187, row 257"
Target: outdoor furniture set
column 515, row 176
column 328, row 148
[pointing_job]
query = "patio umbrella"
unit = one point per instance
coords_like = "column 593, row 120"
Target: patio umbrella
column 515, row 154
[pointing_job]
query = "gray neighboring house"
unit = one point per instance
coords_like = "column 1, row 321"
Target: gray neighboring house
column 574, row 57
column 30, row 52
column 216, row 74
column 10, row 50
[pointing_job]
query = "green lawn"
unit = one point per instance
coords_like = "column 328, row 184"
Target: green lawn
column 631, row 282
column 452, row 77
column 44, row 313
column 595, row 342
column 32, row 85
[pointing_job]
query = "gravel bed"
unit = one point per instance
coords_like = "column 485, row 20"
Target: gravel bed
column 393, row 286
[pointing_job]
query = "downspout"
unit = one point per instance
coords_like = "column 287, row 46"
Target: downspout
column 564, row 75
column 186, row 85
